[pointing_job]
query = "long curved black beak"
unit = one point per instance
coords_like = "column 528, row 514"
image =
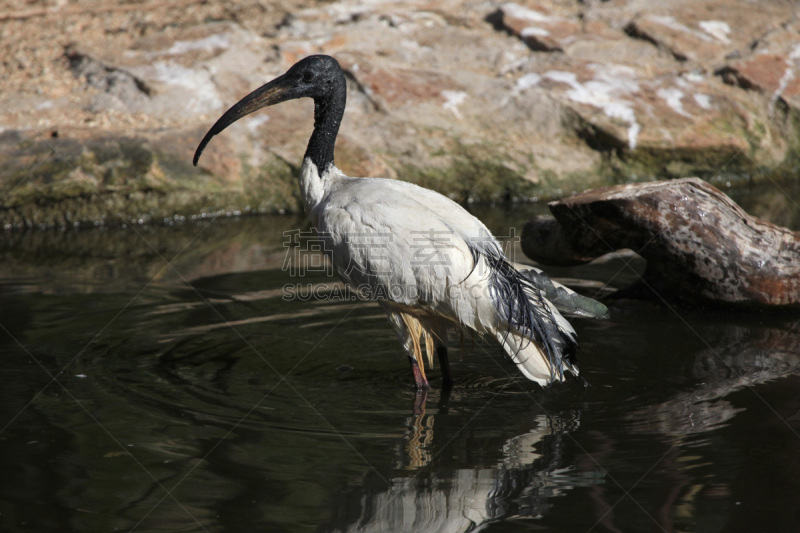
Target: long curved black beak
column 274, row 92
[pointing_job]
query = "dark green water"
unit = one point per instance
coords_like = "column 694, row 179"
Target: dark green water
column 156, row 379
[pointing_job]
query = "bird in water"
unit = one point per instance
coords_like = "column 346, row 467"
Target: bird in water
column 430, row 264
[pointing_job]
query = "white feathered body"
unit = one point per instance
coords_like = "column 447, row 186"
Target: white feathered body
column 432, row 266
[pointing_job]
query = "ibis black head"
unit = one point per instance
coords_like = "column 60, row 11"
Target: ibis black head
column 318, row 77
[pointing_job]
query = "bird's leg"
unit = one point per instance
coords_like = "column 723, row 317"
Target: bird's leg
column 420, row 398
column 409, row 332
column 444, row 362
column 419, row 375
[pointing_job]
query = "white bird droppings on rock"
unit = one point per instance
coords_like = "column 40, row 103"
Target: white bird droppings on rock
column 210, row 43
column 201, row 93
column 670, row 22
column 694, row 77
column 788, row 76
column 717, row 29
column 527, row 81
column 524, row 13
column 533, row 31
column 703, row 100
column 673, row 97
column 453, row 99
column 604, row 93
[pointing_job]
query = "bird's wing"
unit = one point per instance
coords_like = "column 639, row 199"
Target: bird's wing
column 399, row 242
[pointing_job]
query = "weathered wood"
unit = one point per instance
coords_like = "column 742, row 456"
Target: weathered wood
column 699, row 245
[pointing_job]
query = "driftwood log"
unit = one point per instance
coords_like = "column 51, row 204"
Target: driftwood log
column 699, row 245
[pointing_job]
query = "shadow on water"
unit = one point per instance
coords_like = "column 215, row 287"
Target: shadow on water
column 162, row 379
column 530, row 471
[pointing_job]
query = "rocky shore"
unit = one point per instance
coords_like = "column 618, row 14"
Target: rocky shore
column 103, row 105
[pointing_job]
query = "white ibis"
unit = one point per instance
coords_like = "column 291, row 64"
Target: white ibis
column 436, row 267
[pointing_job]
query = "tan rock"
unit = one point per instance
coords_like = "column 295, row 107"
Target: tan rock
column 539, row 29
column 773, row 69
column 706, row 32
column 543, row 97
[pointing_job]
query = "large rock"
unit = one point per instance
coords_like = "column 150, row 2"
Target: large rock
column 708, row 32
column 667, row 113
column 480, row 101
column 772, row 68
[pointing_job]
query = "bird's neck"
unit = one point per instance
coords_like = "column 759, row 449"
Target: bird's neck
column 315, row 185
column 328, row 114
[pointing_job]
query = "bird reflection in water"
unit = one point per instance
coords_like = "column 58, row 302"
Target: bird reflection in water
column 423, row 494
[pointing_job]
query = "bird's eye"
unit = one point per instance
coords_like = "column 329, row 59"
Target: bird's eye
column 308, row 75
